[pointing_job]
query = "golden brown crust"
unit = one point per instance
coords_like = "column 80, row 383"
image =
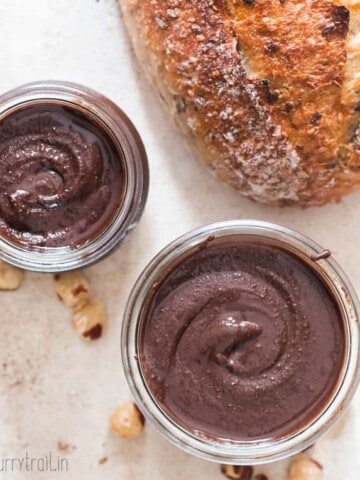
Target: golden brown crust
column 263, row 89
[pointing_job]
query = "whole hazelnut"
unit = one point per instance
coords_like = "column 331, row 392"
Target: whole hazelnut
column 127, row 421
column 89, row 319
column 10, row 277
column 237, row 472
column 304, row 468
column 72, row 288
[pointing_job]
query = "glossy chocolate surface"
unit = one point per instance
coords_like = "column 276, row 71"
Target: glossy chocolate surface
column 62, row 177
column 242, row 342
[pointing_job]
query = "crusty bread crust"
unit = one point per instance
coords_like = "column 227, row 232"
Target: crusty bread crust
column 266, row 91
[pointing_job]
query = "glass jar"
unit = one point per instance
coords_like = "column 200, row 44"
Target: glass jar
column 329, row 272
column 128, row 144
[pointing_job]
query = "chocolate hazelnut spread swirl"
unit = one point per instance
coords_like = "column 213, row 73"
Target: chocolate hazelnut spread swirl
column 61, row 177
column 242, row 342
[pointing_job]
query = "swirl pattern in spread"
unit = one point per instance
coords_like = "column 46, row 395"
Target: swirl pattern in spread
column 61, row 177
column 242, row 343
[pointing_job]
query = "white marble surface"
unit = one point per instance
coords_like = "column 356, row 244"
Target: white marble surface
column 52, row 386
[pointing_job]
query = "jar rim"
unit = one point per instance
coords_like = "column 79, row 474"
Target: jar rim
column 244, row 452
column 126, row 139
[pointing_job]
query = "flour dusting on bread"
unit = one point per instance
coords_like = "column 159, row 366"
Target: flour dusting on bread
column 266, row 92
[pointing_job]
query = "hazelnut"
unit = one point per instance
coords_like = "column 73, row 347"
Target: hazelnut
column 89, row 319
column 72, row 288
column 304, row 468
column 10, row 277
column 127, row 421
column 237, row 472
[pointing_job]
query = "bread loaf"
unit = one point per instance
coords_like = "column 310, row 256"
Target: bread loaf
column 266, row 91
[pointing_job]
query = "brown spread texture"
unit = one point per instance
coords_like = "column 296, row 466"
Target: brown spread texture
column 266, row 91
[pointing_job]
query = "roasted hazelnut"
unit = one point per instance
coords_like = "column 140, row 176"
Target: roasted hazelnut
column 236, row 472
column 304, row 468
column 89, row 319
column 10, row 277
column 127, row 421
column 72, row 288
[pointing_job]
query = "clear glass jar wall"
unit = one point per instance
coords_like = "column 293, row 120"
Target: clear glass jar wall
column 252, row 452
column 126, row 139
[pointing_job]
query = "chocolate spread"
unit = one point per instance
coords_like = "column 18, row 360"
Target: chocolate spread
column 242, row 342
column 62, row 177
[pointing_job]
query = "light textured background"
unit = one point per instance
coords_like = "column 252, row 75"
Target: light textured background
column 52, row 386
